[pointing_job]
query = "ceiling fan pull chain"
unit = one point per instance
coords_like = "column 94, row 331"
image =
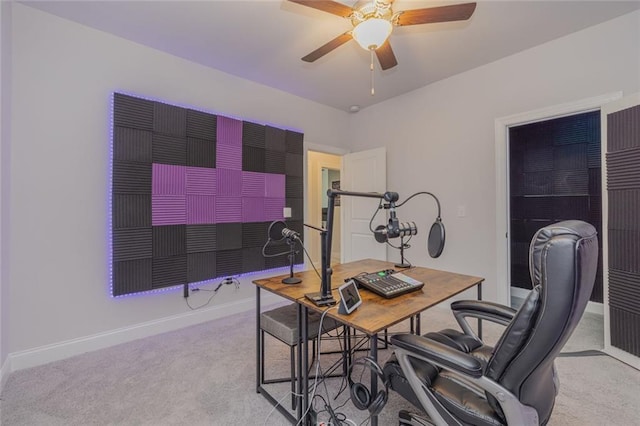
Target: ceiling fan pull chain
column 373, row 92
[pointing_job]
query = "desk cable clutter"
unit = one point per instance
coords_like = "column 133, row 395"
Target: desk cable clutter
column 224, row 281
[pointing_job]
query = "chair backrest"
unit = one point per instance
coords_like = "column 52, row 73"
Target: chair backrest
column 563, row 260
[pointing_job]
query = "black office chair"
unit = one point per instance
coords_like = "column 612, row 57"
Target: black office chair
column 456, row 379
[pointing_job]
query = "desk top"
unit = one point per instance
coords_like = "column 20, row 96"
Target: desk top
column 376, row 313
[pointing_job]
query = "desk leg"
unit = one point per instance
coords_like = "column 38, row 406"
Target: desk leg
column 258, row 346
column 305, row 363
column 299, row 364
column 373, row 342
column 479, row 320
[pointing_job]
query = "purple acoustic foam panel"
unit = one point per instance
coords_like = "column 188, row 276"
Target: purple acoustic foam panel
column 168, row 209
column 229, row 182
column 168, row 179
column 201, row 209
column 201, row 181
column 274, row 185
column 253, row 184
column 253, row 209
column 229, row 157
column 228, row 209
column 273, row 208
column 229, row 131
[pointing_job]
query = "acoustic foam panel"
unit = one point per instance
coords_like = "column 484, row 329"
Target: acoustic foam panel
column 253, row 135
column 169, row 120
column 132, row 145
column 194, row 193
column 229, row 131
column 169, row 271
column 623, row 186
column 132, row 276
column 131, row 178
column 132, row 112
column 169, row 149
column 201, row 153
column 201, row 125
column 201, row 238
column 134, row 243
column 294, row 141
column 169, row 240
column 253, row 159
column 131, row 211
column 275, row 139
column 201, row 266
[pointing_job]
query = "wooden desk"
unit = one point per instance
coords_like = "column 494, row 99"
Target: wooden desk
column 375, row 314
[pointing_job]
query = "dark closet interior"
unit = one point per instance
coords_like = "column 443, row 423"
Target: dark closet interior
column 554, row 175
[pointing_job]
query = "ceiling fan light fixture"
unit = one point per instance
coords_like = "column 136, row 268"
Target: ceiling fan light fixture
column 372, row 33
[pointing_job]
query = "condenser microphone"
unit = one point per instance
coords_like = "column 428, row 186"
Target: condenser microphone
column 292, row 235
column 278, row 230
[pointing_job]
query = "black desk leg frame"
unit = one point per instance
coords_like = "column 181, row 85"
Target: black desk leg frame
column 304, row 384
column 479, row 320
column 374, row 377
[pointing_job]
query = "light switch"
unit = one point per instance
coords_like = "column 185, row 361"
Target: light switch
column 286, row 212
column 462, row 211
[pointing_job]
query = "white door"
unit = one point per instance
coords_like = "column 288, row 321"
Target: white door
column 364, row 171
column 620, row 125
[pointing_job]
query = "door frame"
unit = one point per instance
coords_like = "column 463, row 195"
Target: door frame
column 325, row 149
column 502, row 125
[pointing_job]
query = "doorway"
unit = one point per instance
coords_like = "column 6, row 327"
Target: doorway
column 323, row 173
column 554, row 175
column 502, row 126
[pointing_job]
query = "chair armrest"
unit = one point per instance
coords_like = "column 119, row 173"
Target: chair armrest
column 441, row 354
column 484, row 310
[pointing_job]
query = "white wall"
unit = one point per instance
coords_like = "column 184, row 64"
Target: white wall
column 5, row 126
column 63, row 77
column 441, row 138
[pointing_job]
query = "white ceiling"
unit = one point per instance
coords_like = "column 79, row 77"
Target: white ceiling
column 263, row 41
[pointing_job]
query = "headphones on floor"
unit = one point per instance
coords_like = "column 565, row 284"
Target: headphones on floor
column 360, row 394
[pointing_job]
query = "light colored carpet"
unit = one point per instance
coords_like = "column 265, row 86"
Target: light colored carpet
column 205, row 375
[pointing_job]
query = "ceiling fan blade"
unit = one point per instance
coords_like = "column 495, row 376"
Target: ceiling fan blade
column 429, row 15
column 385, row 56
column 326, row 6
column 328, row 47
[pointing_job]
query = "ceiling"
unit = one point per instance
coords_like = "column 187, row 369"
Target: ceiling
column 264, row 40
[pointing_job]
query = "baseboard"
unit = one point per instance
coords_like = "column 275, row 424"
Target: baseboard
column 57, row 351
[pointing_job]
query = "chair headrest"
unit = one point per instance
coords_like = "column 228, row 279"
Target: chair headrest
column 575, row 229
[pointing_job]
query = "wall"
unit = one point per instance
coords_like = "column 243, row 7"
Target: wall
column 64, row 74
column 5, row 128
column 441, row 137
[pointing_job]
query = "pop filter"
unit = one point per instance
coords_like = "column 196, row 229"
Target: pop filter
column 435, row 243
column 275, row 230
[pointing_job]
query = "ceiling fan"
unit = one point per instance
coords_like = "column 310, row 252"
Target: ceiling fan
column 374, row 20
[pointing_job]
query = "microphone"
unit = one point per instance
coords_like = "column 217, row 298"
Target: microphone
column 395, row 229
column 278, row 230
column 292, row 235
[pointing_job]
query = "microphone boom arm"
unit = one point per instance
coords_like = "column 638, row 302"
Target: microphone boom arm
column 327, row 236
